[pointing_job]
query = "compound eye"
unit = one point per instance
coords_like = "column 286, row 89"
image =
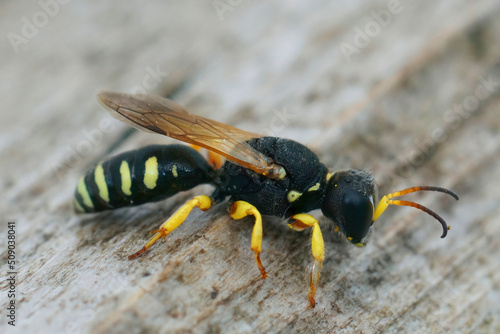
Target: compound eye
column 357, row 209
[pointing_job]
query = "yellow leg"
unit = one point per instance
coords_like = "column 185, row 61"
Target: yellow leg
column 318, row 251
column 241, row 209
column 203, row 202
column 195, row 147
column 215, row 160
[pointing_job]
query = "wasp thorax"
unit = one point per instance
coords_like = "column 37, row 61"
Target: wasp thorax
column 349, row 202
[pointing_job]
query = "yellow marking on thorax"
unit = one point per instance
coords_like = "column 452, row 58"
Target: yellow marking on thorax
column 151, row 173
column 174, row 171
column 314, row 188
column 293, row 195
column 126, row 178
column 329, row 175
column 282, row 173
column 100, row 181
column 82, row 190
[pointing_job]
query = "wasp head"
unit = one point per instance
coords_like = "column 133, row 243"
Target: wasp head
column 350, row 198
column 349, row 202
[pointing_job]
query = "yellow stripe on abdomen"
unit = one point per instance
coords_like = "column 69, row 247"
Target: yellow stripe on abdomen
column 126, row 178
column 77, row 206
column 82, row 190
column 151, row 173
column 100, row 181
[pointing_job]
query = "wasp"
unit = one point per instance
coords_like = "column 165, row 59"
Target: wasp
column 262, row 176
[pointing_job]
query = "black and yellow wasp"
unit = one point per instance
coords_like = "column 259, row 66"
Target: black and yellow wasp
column 261, row 176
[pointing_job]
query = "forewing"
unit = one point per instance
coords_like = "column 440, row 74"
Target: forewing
column 155, row 114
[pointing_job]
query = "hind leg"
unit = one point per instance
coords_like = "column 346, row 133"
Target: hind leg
column 202, row 202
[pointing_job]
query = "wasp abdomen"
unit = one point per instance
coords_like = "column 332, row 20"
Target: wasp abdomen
column 149, row 174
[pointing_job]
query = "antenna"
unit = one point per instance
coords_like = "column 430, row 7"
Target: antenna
column 386, row 201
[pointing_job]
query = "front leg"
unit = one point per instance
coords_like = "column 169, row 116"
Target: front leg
column 303, row 221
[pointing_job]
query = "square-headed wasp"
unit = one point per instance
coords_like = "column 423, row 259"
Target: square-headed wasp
column 262, row 176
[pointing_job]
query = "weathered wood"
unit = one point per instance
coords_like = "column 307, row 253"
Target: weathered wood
column 390, row 107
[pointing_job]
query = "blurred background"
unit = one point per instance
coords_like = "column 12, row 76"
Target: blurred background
column 408, row 90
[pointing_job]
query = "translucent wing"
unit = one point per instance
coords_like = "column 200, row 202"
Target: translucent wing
column 155, row 114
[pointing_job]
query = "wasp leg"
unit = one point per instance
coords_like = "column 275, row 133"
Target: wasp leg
column 240, row 209
column 303, row 221
column 203, row 202
column 215, row 160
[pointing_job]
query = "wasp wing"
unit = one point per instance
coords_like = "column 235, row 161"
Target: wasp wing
column 159, row 115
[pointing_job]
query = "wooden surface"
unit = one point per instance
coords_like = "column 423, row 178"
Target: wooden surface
column 276, row 68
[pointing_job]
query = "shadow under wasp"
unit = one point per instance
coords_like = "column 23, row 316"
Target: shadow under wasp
column 261, row 176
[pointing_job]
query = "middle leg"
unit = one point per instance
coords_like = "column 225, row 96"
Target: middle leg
column 240, row 209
